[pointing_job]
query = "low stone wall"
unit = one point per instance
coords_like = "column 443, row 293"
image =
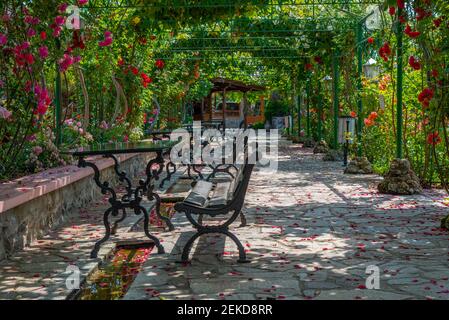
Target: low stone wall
column 22, row 225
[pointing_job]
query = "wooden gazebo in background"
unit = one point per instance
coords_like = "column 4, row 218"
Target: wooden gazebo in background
column 216, row 107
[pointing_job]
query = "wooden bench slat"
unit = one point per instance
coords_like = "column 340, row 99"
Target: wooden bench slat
column 221, row 194
column 200, row 193
column 237, row 180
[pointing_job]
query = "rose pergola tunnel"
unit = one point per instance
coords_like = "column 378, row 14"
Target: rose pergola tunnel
column 265, row 126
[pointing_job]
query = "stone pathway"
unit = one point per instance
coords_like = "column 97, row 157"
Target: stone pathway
column 312, row 234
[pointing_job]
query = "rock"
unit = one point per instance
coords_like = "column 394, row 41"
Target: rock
column 333, row 155
column 309, row 143
column 295, row 139
column 321, row 147
column 400, row 179
column 359, row 165
column 445, row 223
column 360, row 295
column 310, row 293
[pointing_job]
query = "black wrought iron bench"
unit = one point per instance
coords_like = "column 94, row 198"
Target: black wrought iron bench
column 216, row 199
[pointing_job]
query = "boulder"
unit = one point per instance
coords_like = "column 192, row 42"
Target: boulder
column 445, row 223
column 309, row 143
column 321, row 147
column 400, row 179
column 333, row 155
column 359, row 165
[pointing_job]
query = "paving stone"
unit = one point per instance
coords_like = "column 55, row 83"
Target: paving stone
column 360, row 295
column 237, row 285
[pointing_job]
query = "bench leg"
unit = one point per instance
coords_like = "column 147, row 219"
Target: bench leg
column 188, row 247
column 243, row 220
column 189, row 172
column 169, row 173
column 242, row 253
column 146, row 223
column 107, row 225
column 189, row 244
column 200, row 175
column 116, row 223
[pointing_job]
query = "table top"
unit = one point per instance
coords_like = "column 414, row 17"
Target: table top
column 122, row 148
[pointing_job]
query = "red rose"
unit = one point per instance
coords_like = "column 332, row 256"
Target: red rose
column 160, row 64
column 412, row 34
column 385, row 51
column 434, row 138
column 414, row 63
column 392, row 11
column 135, row 71
column 435, row 73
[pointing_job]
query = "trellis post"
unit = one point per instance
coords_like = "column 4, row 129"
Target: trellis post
column 359, row 33
column 58, row 100
column 320, row 113
column 400, row 75
column 336, row 97
column 298, row 107
column 308, row 105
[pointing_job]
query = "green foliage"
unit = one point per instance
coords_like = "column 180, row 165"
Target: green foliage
column 276, row 108
column 104, row 97
column 259, row 126
column 199, row 90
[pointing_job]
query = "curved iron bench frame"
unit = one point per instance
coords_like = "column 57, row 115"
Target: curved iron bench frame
column 234, row 206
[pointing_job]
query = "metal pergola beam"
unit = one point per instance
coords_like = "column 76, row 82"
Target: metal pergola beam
column 223, row 3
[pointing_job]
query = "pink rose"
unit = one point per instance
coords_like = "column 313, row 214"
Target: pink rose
column 28, row 19
column 4, row 114
column 3, row 39
column 65, row 62
column 43, row 52
column 82, row 2
column 107, row 39
column 32, row 20
column 56, row 31
column 37, row 150
column 76, row 59
column 60, row 20
column 5, row 18
column 106, row 43
column 62, row 7
column 104, row 125
column 25, row 45
column 31, row 33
